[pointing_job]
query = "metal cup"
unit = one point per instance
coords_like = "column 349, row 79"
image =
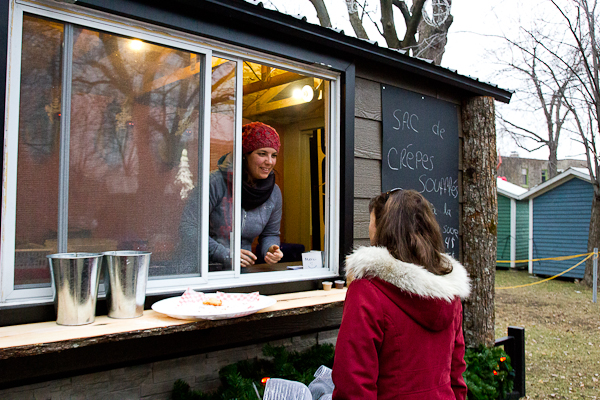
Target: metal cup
column 76, row 277
column 126, row 278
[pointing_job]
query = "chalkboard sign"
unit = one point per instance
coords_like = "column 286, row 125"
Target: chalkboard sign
column 420, row 152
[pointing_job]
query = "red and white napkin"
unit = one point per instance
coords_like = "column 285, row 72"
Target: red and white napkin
column 190, row 296
column 241, row 297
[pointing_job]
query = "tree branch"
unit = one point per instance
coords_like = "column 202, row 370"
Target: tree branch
column 356, row 21
column 529, row 134
column 403, row 9
column 322, row 13
column 389, row 28
column 413, row 24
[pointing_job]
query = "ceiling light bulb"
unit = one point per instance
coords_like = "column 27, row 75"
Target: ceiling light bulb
column 136, row 45
column 307, row 93
column 297, row 93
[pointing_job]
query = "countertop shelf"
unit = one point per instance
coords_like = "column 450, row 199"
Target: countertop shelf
column 48, row 337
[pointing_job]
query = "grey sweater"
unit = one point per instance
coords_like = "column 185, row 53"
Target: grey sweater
column 262, row 222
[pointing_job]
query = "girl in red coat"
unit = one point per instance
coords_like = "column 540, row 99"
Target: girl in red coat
column 401, row 334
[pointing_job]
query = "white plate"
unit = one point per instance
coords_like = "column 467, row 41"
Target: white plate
column 197, row 312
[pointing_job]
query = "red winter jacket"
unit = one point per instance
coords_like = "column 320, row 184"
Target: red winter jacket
column 401, row 335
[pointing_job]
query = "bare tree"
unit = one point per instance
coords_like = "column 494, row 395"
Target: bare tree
column 545, row 83
column 581, row 96
column 569, row 64
column 579, row 18
column 426, row 22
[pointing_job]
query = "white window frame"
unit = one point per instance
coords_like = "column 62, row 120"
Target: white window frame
column 122, row 26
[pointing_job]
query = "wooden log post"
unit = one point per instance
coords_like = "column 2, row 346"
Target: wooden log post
column 479, row 218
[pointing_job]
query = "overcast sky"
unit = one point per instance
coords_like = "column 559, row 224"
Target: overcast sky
column 471, row 40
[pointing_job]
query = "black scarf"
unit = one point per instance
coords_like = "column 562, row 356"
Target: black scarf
column 254, row 196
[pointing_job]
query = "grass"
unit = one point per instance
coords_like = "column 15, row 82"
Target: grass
column 562, row 331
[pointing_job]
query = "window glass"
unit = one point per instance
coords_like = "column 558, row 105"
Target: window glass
column 133, row 159
column 222, row 164
column 133, row 152
column 38, row 150
column 133, row 156
column 293, row 104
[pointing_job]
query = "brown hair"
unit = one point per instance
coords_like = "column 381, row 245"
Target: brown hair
column 406, row 226
column 376, row 205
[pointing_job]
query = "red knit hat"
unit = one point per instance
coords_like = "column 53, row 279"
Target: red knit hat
column 257, row 135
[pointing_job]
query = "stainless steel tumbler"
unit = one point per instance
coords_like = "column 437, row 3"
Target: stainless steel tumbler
column 126, row 275
column 76, row 277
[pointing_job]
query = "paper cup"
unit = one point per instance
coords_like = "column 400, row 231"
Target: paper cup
column 326, row 285
column 339, row 284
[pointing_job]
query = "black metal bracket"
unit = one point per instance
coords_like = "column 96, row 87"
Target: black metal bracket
column 514, row 346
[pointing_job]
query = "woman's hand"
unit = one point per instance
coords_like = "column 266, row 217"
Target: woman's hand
column 273, row 255
column 248, row 258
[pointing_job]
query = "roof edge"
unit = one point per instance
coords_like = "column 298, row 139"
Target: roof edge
column 506, row 194
column 558, row 180
column 257, row 14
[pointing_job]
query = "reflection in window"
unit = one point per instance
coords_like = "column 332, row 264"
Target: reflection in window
column 222, row 164
column 134, row 159
column 133, row 147
column 38, row 150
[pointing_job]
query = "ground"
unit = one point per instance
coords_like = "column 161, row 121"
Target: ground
column 562, row 330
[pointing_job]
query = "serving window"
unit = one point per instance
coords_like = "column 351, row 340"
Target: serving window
column 115, row 134
column 294, row 105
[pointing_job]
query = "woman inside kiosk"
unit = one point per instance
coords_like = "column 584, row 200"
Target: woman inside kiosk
column 261, row 202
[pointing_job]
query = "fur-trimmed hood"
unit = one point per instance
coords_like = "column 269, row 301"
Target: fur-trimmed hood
column 430, row 300
column 371, row 262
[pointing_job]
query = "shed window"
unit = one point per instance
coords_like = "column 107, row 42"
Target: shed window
column 524, row 177
column 544, row 175
column 118, row 135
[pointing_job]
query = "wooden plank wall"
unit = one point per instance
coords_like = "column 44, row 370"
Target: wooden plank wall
column 367, row 154
column 503, row 231
column 561, row 222
column 522, row 238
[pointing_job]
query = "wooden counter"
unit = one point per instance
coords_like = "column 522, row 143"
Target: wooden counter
column 44, row 351
column 45, row 337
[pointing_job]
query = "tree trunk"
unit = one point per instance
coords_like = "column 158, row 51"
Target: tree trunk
column 479, row 218
column 552, row 159
column 433, row 39
column 594, row 236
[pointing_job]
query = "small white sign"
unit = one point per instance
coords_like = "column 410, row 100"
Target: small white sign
column 312, row 259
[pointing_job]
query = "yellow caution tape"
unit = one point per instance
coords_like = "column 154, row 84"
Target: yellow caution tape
column 561, row 258
column 555, row 276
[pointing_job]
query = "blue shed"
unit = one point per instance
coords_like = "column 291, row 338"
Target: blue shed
column 560, row 211
column 513, row 225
